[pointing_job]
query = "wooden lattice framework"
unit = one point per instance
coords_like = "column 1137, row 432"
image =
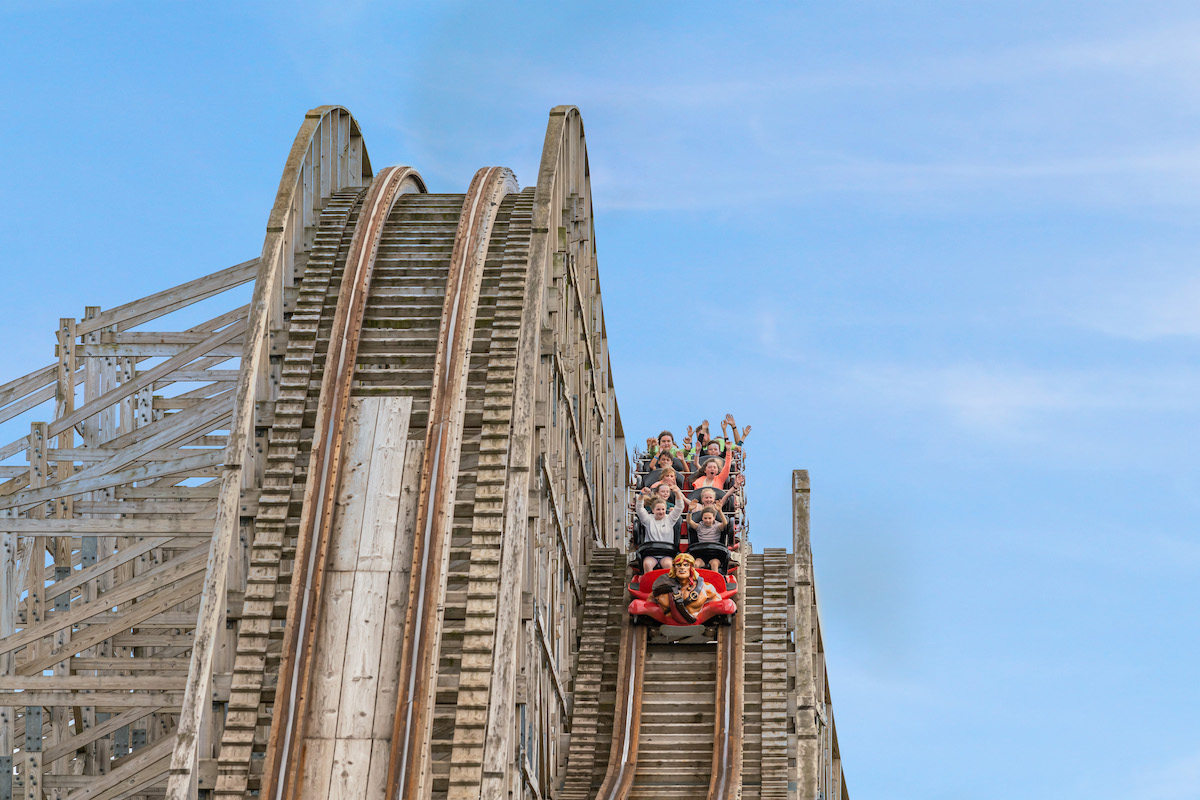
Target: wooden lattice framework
column 337, row 541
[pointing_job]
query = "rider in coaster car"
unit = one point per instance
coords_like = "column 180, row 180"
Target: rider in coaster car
column 663, row 464
column 683, row 585
column 710, row 496
column 711, row 529
column 713, row 473
column 665, row 445
column 660, row 541
column 665, row 475
column 704, row 440
column 662, row 491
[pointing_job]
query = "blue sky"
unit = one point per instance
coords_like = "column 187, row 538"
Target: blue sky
column 947, row 253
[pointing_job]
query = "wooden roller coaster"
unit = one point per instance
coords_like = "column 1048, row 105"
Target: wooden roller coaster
column 350, row 520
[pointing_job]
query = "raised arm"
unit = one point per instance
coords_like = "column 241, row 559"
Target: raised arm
column 680, row 504
column 724, row 473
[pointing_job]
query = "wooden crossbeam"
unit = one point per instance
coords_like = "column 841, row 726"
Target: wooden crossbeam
column 201, row 464
column 168, row 300
column 160, row 576
column 100, row 730
column 89, row 683
column 142, row 767
column 147, row 378
column 105, row 527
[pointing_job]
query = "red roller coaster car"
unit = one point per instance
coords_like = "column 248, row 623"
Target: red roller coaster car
column 643, row 606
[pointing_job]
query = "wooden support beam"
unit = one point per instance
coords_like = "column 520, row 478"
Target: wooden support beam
column 559, row 528
column 157, row 578
column 100, row 730
column 145, row 766
column 94, row 634
column 147, row 308
column 89, row 683
column 146, row 379
column 112, row 472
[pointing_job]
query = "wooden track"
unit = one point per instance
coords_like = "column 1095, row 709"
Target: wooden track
column 363, row 535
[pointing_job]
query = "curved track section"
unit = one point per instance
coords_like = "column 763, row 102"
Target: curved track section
column 379, row 557
column 284, row 461
column 327, row 155
column 413, row 716
column 321, row 489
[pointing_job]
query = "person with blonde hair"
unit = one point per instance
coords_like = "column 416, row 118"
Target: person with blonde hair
column 683, row 587
column 710, row 529
column 660, row 537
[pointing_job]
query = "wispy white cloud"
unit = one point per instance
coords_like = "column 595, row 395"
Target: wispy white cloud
column 741, row 139
column 1176, row 779
column 1005, row 400
column 1144, row 308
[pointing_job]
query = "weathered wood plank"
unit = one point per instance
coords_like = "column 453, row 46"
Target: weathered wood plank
column 94, row 634
column 353, row 500
column 50, row 698
column 100, row 730
column 378, row 538
column 329, row 653
column 163, row 575
column 106, row 527
column 315, row 769
column 348, row 773
column 397, row 598
column 133, row 771
column 360, row 671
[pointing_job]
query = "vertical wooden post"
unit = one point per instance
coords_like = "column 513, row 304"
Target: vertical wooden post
column 64, row 404
column 35, row 599
column 808, row 744
column 9, row 593
column 33, row 753
column 98, row 377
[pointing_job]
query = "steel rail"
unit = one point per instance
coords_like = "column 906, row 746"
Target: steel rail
column 286, row 746
column 435, row 498
column 727, row 728
column 627, row 720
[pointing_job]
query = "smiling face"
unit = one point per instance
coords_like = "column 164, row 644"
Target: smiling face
column 713, row 449
column 663, row 491
column 666, row 441
column 708, row 497
column 708, row 518
column 660, row 509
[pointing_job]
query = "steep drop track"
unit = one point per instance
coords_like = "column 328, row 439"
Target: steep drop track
column 683, row 714
column 360, row 537
column 395, row 358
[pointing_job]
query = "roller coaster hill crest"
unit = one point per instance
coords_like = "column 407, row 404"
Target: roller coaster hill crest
column 367, row 535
